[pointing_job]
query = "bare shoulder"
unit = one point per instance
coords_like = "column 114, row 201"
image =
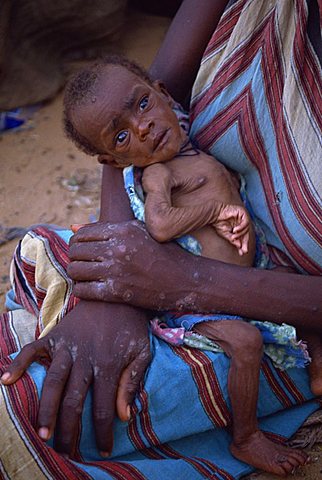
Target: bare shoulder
column 160, row 168
column 157, row 176
column 196, row 164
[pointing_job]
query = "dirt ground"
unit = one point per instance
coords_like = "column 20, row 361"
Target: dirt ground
column 44, row 179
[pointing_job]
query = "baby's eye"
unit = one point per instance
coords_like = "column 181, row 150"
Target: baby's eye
column 144, row 102
column 121, row 137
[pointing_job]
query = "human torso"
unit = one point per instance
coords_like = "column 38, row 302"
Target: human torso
column 217, row 184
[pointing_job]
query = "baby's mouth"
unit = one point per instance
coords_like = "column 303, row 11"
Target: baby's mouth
column 160, row 139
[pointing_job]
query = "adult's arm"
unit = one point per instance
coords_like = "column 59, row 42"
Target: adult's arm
column 164, row 276
column 178, row 59
column 98, row 344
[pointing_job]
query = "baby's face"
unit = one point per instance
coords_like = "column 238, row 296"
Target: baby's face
column 129, row 120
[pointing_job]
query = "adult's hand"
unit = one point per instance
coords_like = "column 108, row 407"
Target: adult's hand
column 106, row 346
column 122, row 263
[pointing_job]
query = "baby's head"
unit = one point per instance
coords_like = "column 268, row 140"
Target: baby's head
column 113, row 109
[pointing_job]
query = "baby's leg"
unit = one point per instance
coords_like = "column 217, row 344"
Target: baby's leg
column 314, row 343
column 243, row 343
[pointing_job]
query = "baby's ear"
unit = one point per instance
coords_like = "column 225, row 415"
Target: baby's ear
column 107, row 159
column 160, row 87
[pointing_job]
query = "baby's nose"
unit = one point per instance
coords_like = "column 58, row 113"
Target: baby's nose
column 144, row 128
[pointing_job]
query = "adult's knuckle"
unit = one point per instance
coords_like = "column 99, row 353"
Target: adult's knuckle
column 54, row 380
column 72, row 405
column 72, row 239
column 31, row 349
column 106, row 371
column 72, row 249
column 101, row 415
column 70, row 269
column 101, row 290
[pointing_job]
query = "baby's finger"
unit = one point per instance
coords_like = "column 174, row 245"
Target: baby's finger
column 240, row 233
column 244, row 244
column 241, row 227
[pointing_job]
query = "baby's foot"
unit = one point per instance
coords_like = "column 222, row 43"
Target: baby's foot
column 262, row 453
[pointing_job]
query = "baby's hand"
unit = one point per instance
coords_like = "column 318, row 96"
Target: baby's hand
column 233, row 224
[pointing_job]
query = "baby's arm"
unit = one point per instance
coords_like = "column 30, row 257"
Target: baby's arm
column 165, row 222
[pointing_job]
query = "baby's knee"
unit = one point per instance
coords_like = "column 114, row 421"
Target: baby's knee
column 248, row 342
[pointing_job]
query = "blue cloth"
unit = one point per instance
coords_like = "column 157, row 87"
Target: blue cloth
column 185, row 431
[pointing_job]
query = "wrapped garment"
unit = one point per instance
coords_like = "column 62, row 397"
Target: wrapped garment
column 255, row 106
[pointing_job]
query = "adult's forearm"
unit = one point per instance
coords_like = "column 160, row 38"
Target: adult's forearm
column 115, row 205
column 115, row 208
column 166, row 277
column 259, row 294
column 179, row 56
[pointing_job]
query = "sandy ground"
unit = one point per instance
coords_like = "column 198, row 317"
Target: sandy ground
column 44, row 179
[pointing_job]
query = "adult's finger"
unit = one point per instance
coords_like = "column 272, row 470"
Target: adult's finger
column 105, row 231
column 52, row 392
column 28, row 354
column 93, row 232
column 90, row 251
column 71, row 408
column 86, row 271
column 129, row 384
column 101, row 291
column 104, row 393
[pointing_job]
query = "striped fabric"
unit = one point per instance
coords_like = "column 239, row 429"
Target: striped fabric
column 179, row 416
column 257, row 107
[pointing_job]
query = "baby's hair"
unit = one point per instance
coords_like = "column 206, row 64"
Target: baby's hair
column 80, row 89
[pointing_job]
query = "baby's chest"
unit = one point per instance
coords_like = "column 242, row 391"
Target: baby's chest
column 200, row 180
